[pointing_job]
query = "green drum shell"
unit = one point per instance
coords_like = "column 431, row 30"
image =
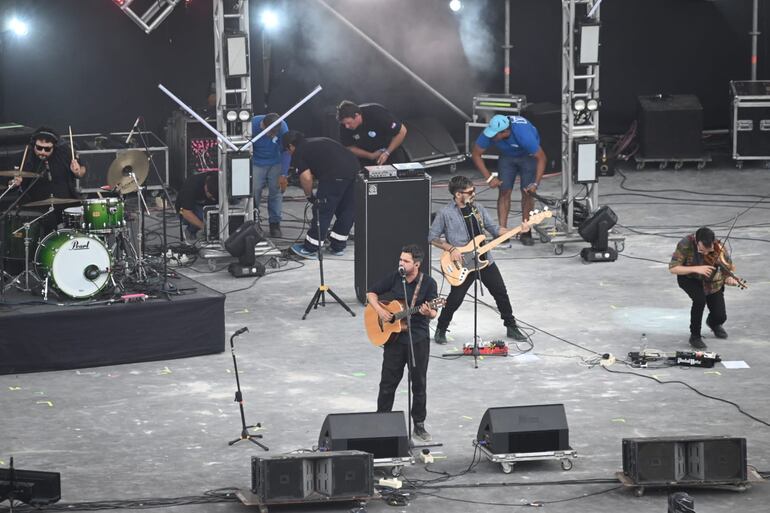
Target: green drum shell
column 116, row 213
column 95, row 215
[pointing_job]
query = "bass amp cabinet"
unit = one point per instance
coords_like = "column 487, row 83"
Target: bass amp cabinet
column 390, row 213
column 670, row 126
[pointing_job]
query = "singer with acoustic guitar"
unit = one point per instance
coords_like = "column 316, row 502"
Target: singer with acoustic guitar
column 456, row 225
column 421, row 290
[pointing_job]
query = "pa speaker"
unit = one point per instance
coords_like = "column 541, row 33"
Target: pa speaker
column 381, row 434
column 666, row 460
column 524, row 429
column 282, row 477
column 427, row 139
column 345, row 474
column 390, row 214
column 670, row 126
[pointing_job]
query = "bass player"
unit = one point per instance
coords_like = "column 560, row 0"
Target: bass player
column 459, row 222
column 420, row 289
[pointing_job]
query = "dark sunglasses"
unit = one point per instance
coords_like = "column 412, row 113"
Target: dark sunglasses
column 472, row 191
column 43, row 148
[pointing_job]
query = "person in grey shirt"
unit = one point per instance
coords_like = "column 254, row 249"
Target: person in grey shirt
column 454, row 226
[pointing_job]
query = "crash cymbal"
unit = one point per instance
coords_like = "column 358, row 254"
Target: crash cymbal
column 16, row 172
column 51, row 201
column 125, row 163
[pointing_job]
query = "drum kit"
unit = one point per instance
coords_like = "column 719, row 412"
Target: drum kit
column 91, row 249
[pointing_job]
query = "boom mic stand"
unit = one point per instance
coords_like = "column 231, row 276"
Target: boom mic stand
column 412, row 363
column 245, row 435
column 319, row 296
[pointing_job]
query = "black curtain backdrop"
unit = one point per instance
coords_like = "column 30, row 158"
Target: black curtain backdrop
column 86, row 64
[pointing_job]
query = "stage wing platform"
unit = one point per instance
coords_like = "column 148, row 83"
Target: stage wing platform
column 44, row 337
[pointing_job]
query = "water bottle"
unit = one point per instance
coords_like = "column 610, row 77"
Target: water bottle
column 643, row 344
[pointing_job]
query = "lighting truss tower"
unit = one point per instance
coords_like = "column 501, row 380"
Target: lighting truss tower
column 578, row 82
column 153, row 16
column 232, row 70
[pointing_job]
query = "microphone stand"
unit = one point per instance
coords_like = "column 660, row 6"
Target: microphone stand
column 476, row 279
column 167, row 287
column 245, row 435
column 411, row 359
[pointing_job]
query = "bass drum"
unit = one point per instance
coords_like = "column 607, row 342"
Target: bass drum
column 75, row 263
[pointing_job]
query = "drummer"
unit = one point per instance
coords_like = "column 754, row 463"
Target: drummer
column 53, row 161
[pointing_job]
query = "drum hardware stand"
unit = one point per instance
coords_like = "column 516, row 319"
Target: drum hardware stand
column 245, row 435
column 27, row 272
column 319, row 296
column 140, row 235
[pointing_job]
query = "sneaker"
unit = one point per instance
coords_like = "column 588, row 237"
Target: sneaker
column 505, row 245
column 419, row 432
column 719, row 331
column 526, row 239
column 516, row 334
column 334, row 252
column 697, row 342
column 299, row 250
column 440, row 336
column 275, row 230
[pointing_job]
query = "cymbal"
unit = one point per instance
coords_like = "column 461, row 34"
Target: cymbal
column 51, row 201
column 16, row 172
column 125, row 163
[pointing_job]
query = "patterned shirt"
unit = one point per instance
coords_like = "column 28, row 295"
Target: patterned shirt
column 686, row 253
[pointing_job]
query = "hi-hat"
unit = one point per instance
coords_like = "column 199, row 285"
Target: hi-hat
column 16, row 172
column 125, row 163
column 53, row 200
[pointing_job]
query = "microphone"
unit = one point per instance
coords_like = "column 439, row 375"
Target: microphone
column 240, row 331
column 401, row 270
column 92, row 272
column 131, row 133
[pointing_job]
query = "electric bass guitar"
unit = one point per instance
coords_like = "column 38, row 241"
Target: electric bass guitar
column 381, row 332
column 456, row 272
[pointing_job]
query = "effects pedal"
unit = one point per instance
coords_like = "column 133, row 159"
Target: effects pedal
column 245, row 271
column 493, row 348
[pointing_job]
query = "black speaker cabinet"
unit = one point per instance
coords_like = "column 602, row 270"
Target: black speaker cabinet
column 381, row 434
column 308, row 477
column 427, row 139
column 547, row 119
column 670, row 126
column 390, row 214
column 698, row 459
column 524, row 429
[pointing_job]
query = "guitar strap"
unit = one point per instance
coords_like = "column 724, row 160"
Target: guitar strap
column 416, row 291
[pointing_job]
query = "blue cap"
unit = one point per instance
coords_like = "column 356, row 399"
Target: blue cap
column 496, row 125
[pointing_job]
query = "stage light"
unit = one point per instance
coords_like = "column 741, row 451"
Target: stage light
column 231, row 115
column 17, row 26
column 455, row 5
column 595, row 230
column 592, row 105
column 588, row 43
column 585, row 161
column 269, row 19
column 241, row 243
column 579, row 105
column 239, row 174
column 244, row 115
column 237, row 55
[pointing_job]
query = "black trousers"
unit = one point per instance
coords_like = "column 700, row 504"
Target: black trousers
column 715, row 302
column 395, row 357
column 335, row 199
column 493, row 281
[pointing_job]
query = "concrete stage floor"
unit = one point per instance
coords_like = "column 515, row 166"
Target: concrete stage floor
column 160, row 429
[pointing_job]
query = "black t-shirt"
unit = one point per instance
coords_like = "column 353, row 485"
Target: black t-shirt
column 326, row 159
column 471, row 222
column 390, row 287
column 56, row 179
column 193, row 193
column 376, row 130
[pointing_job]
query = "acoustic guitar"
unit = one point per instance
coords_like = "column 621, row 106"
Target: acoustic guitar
column 456, row 273
column 380, row 332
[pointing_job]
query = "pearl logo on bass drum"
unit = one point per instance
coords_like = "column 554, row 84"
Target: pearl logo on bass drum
column 78, row 245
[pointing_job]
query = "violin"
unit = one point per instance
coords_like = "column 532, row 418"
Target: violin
column 717, row 258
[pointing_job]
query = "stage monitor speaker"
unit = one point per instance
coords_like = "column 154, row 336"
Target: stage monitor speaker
column 427, row 139
column 345, row 474
column 547, row 119
column 282, row 477
column 390, row 214
column 524, row 429
column 698, row 459
column 381, row 434
column 670, row 126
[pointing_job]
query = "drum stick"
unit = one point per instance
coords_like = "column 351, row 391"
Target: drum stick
column 72, row 145
column 24, row 158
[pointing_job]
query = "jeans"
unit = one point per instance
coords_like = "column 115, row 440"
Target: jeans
column 493, row 281
column 395, row 357
column 508, row 168
column 192, row 231
column 268, row 175
column 715, row 302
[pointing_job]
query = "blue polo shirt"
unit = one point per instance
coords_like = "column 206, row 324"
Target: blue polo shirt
column 524, row 139
column 267, row 151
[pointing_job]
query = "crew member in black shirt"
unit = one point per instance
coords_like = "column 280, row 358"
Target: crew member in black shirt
column 58, row 171
column 198, row 191
column 335, row 168
column 372, row 133
column 420, row 288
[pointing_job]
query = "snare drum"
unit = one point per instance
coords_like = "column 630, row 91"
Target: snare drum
column 104, row 215
column 75, row 263
column 72, row 218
